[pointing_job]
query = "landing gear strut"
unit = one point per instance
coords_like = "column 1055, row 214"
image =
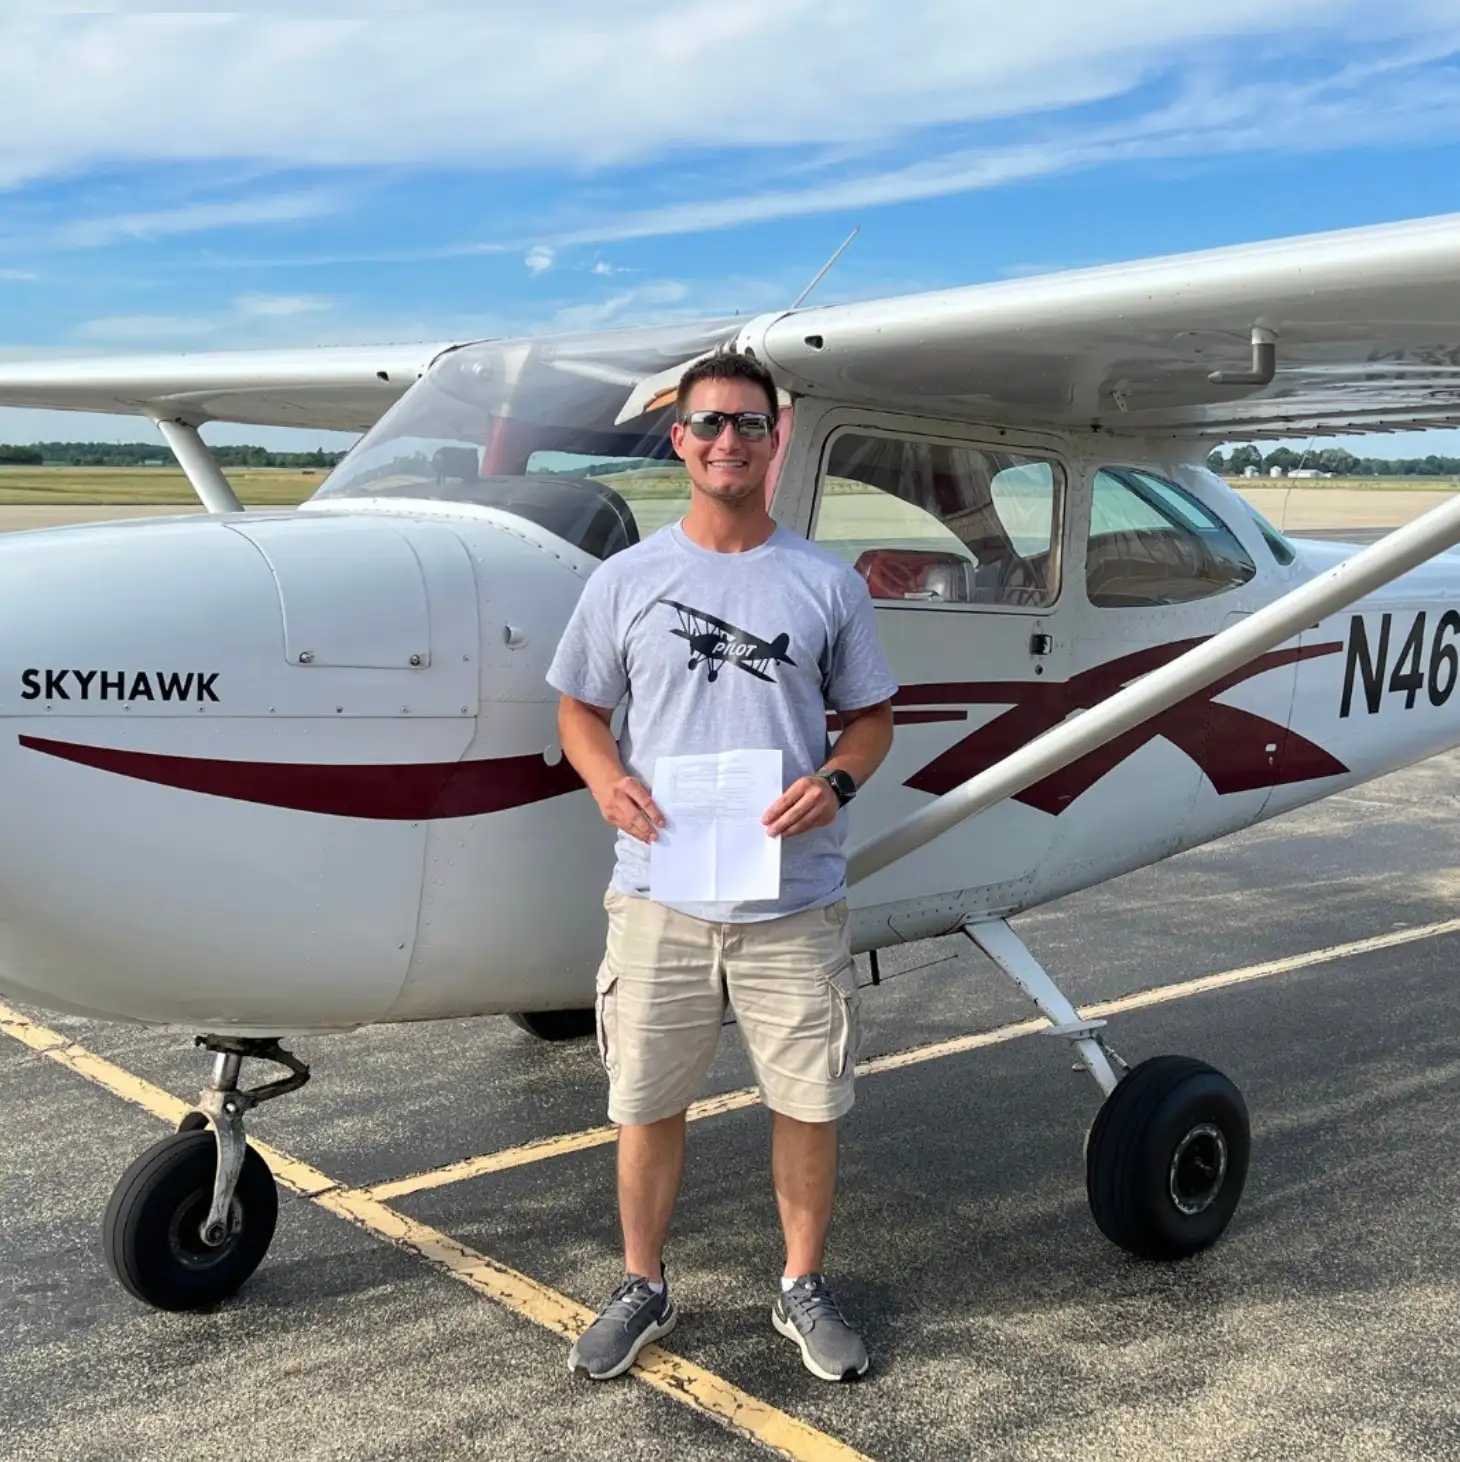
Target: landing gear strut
column 193, row 1216
column 1166, row 1158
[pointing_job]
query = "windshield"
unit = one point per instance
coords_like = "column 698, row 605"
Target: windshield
column 532, row 427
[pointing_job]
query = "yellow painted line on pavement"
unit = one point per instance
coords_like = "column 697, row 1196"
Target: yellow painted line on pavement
column 548, row 1147
column 693, row 1386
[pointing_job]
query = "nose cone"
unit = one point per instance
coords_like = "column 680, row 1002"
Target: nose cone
column 147, row 692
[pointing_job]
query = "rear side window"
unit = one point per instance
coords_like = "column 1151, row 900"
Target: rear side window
column 1153, row 543
column 1282, row 550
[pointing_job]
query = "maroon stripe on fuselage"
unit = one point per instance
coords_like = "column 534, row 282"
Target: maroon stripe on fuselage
column 402, row 792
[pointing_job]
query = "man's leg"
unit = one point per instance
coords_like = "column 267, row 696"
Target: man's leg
column 660, row 1004
column 793, row 985
column 803, row 1167
column 650, row 1169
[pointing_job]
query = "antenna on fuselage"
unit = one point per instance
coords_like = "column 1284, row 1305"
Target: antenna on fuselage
column 826, row 267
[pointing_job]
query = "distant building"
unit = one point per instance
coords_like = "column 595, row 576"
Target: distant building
column 1276, row 472
column 1249, row 472
column 1308, row 472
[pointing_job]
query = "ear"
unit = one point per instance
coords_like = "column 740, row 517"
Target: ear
column 676, row 438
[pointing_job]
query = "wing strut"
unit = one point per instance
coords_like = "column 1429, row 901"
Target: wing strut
column 211, row 486
column 1301, row 609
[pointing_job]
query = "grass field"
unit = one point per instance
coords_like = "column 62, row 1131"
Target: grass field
column 286, row 486
column 1353, row 484
column 257, row 487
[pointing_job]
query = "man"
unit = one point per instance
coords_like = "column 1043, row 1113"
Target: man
column 743, row 585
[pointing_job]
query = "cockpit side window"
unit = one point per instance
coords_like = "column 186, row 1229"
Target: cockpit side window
column 1153, row 543
column 943, row 522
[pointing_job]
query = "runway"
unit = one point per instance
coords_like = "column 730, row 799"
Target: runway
column 1002, row 1325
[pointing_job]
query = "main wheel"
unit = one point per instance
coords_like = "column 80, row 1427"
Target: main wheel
column 557, row 1025
column 152, row 1232
column 1167, row 1157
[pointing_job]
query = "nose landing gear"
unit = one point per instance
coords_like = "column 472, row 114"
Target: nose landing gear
column 1166, row 1158
column 193, row 1216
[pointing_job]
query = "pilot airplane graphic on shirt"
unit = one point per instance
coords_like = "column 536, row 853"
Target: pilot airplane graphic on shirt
column 714, row 642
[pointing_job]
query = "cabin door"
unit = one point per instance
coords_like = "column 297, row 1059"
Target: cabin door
column 959, row 541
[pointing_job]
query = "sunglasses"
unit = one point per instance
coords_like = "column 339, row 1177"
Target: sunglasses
column 750, row 426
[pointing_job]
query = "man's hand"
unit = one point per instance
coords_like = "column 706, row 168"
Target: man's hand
column 626, row 804
column 807, row 803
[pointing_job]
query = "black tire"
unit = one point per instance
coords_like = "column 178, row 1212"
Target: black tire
column 1166, row 1158
column 151, row 1228
column 557, row 1025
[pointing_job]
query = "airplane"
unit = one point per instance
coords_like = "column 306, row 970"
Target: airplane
column 713, row 643
column 271, row 774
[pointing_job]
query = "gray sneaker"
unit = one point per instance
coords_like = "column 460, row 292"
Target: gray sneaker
column 807, row 1314
column 633, row 1317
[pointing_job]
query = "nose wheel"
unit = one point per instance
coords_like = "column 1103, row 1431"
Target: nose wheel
column 194, row 1215
column 153, row 1232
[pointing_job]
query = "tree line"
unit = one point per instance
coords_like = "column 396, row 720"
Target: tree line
column 1337, row 460
column 139, row 454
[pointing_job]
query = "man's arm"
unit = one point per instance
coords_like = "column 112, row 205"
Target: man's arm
column 864, row 743
column 589, row 746
column 809, row 802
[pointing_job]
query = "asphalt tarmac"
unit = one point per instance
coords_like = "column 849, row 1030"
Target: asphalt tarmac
column 1001, row 1324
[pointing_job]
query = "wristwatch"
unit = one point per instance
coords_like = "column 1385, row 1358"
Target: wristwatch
column 840, row 783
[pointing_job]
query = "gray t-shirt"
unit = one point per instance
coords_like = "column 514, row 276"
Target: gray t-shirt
column 728, row 652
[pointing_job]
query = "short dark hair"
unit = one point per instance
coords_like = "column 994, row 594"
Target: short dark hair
column 729, row 367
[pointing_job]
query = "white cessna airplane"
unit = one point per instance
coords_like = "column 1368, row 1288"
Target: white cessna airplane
column 277, row 773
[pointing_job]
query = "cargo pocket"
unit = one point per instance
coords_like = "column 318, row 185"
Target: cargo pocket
column 605, row 1006
column 844, row 1036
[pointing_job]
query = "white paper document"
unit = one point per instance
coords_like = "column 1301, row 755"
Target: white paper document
column 713, row 847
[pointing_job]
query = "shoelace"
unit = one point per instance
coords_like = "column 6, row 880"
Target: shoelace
column 627, row 1300
column 812, row 1301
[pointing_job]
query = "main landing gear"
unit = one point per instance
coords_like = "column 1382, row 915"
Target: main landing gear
column 1166, row 1158
column 557, row 1025
column 193, row 1217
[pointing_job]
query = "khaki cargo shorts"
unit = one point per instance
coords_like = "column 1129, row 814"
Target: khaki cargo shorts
column 662, row 991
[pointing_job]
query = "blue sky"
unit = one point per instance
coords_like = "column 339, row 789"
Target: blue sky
column 215, row 181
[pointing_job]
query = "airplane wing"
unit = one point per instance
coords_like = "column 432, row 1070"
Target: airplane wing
column 699, row 616
column 336, row 388
column 1365, row 327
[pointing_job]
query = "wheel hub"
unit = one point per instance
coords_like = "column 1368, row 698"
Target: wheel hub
column 1198, row 1168
column 190, row 1244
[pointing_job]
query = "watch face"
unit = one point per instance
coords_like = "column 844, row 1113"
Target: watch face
column 842, row 784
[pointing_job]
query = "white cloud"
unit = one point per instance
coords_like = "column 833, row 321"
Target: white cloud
column 97, row 232
column 1360, row 106
column 538, row 259
column 603, row 267
column 147, row 330
column 280, row 306
column 19, row 276
column 251, row 320
column 502, row 87
column 646, row 304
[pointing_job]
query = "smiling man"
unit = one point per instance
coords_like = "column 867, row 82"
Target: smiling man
column 780, row 633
